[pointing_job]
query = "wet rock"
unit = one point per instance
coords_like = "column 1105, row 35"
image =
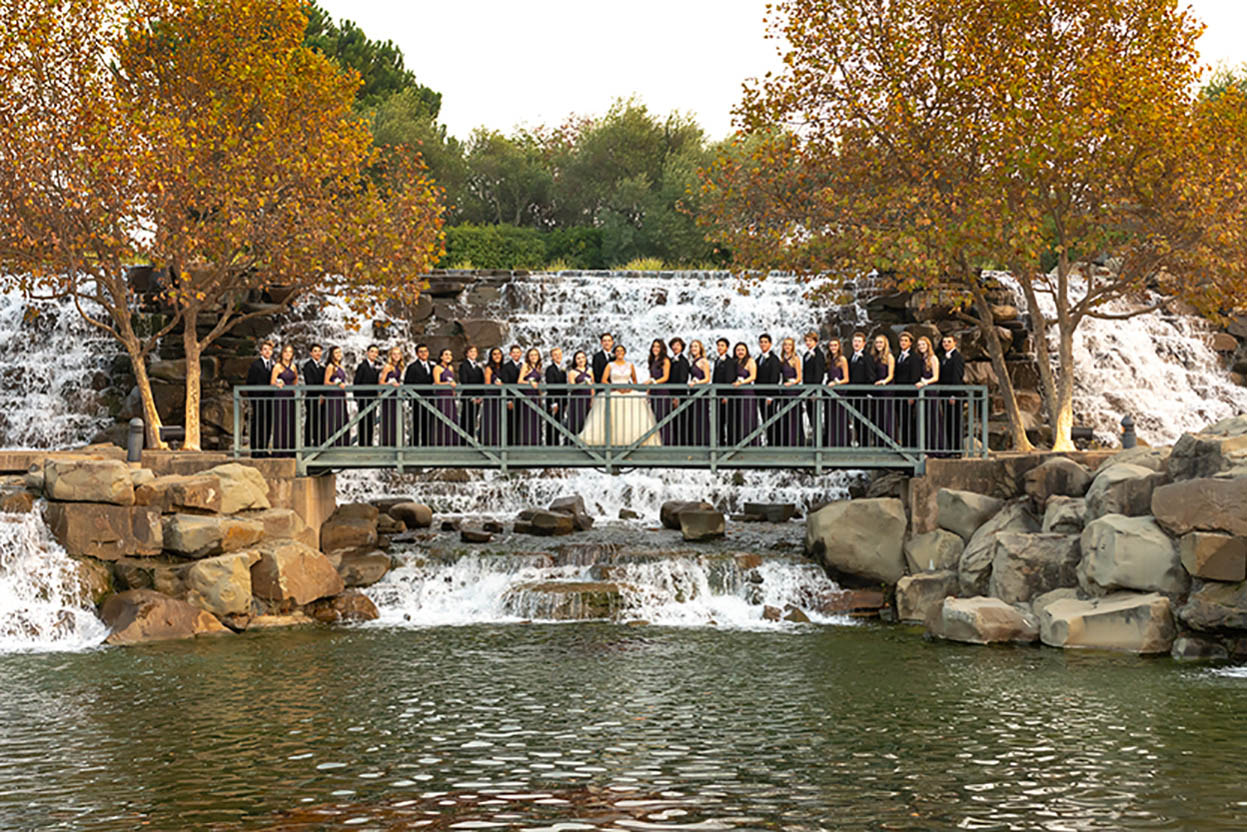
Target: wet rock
column 963, row 512
column 201, row 492
column 565, row 600
column 493, row 527
column 917, row 595
column 887, row 484
column 975, row 565
column 89, row 481
column 270, row 621
column 860, row 539
column 470, row 535
column 1197, row 455
column 222, row 584
column 413, row 515
column 859, row 603
column 795, row 615
column 934, row 551
column 1129, row 553
column 198, row 536
column 1059, row 476
column 770, row 613
column 770, row 512
column 1122, row 489
column 702, row 525
column 1190, row 648
column 348, row 606
column 362, row 568
column 669, row 513
column 1065, row 515
column 161, row 574
column 746, row 562
column 16, row 501
column 104, row 531
column 288, row 571
column 137, row 616
column 350, row 527
column 1214, row 557
column 575, row 508
column 628, row 514
column 535, row 521
column 93, row 579
column 450, row 525
column 242, row 487
column 34, row 479
column 1027, row 565
column 981, row 620
column 1202, row 505
column 1214, row 606
column 387, row 524
column 1128, row 621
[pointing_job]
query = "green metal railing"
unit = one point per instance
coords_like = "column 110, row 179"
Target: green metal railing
column 514, row 426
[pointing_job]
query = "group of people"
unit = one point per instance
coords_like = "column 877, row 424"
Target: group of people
column 551, row 401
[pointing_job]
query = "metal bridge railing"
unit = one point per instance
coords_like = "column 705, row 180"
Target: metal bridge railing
column 610, row 427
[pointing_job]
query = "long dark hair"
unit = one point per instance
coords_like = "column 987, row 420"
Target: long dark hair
column 662, row 351
column 491, row 363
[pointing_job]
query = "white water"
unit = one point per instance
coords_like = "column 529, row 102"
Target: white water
column 42, row 606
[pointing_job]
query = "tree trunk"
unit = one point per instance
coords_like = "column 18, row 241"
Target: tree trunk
column 987, row 325
column 190, row 343
column 1042, row 360
column 1063, row 416
column 151, row 416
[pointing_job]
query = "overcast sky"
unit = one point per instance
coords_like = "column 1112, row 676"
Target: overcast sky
column 500, row 63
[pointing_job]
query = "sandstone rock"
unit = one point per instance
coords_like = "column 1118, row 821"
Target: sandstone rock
column 975, row 566
column 669, row 513
column 242, row 487
column 16, row 501
column 917, row 595
column 288, row 571
column 1059, row 476
column 362, row 568
column 535, row 521
column 222, row 584
column 575, row 508
column 350, row 527
column 934, row 551
column 1154, row 459
column 1203, row 505
column 1028, row 565
column 963, row 512
column 468, row 534
column 1213, row 606
column 702, row 525
column 862, row 539
column 770, row 613
column 981, row 620
column 1122, row 489
column 771, row 512
column 141, row 476
column 142, row 615
column 628, row 514
column 35, row 479
column 1128, row 621
column 165, row 575
column 413, row 515
column 484, row 332
column 388, row 524
column 104, row 531
column 1206, row 454
column 565, row 600
column 93, row 579
column 277, row 522
column 1129, row 553
column 857, row 603
column 198, row 535
column 1233, row 426
column 1041, row 602
column 88, row 481
column 795, row 615
column 201, row 492
column 1214, row 557
column 1188, row 648
column 1065, row 515
column 279, row 620
column 351, row 605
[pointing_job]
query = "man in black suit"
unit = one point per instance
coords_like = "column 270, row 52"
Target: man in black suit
column 908, row 372
column 677, row 380
column 556, row 401
column 313, row 373
column 862, row 370
column 723, row 372
column 603, row 357
column 952, row 373
column 813, row 371
column 419, row 374
column 768, row 386
column 470, row 372
column 260, row 373
column 510, row 374
column 366, row 374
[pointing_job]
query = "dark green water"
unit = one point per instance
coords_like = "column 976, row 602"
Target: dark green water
column 605, row 726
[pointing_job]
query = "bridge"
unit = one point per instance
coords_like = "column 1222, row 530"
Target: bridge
column 517, row 426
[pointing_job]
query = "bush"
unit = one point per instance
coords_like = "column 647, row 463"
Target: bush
column 579, row 246
column 495, row 246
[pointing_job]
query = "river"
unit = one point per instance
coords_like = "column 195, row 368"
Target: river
column 597, row 726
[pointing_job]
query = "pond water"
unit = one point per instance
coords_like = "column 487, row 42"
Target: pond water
column 597, row 726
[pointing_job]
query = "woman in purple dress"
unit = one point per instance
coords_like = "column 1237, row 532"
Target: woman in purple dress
column 930, row 412
column 391, row 375
column 528, row 419
column 444, row 384
column 698, row 423
column 491, row 412
column 335, row 400
column 789, row 432
column 885, row 405
column 581, row 375
column 745, row 410
column 284, row 377
column 836, row 420
column 659, row 397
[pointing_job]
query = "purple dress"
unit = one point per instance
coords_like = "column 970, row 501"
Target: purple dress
column 933, row 414
column 580, row 400
column 884, row 410
column 444, row 434
column 491, row 414
column 528, row 416
column 789, row 432
column 745, row 403
column 389, row 409
column 699, row 413
column 660, row 403
column 283, row 419
column 836, row 433
column 335, row 410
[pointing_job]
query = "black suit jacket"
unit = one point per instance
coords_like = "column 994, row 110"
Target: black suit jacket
column 814, row 367
column 952, row 368
column 471, row 375
column 366, row 373
column 258, row 374
column 862, row 369
column 724, row 371
column 510, row 372
column 768, row 369
column 908, row 370
column 556, row 375
column 679, row 371
column 416, row 374
column 311, row 373
column 598, row 362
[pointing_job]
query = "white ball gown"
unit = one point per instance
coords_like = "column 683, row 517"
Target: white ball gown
column 630, row 413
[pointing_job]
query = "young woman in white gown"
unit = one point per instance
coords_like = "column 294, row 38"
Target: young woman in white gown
column 630, row 413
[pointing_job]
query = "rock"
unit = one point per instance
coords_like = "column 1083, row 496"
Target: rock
column 858, row 603
column 1233, row 426
column 1028, row 565
column 413, row 515
column 222, row 584
column 350, row 527
column 917, row 595
column 363, row 568
column 88, row 481
column 288, row 571
column 484, row 332
column 575, row 508
column 387, row 524
column 795, row 615
column 1122, row 489
column 1059, row 476
column 770, row 613
column 628, row 514
column 1205, row 455
column 141, row 476
column 198, row 536
column 565, row 600
column 702, row 525
column 535, row 521
column 104, row 531
column 165, row 575
column 452, row 525
column 1214, row 557
column 142, row 615
column 1133, row 622
column 1188, row 648
column 16, row 501
column 242, row 487
column 981, row 620
column 1202, row 505
column 94, row 580
column 934, row 551
column 201, row 492
column 492, row 526
column 963, row 512
column 1154, row 459
column 351, row 605
column 277, row 522
column 669, row 513
column 862, row 539
column 273, row 621
column 34, row 479
column 771, row 512
column 1129, row 553
column 1040, row 602
column 1214, row 606
column 1065, row 515
column 975, row 565
column 467, row 534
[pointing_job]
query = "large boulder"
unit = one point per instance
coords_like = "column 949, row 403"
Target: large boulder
column 413, row 515
column 289, row 572
column 575, row 508
column 1206, row 454
column 242, row 487
column 222, row 584
column 361, row 568
column 1059, row 476
column 934, row 551
column 963, row 512
column 544, row 523
column 165, row 575
column 1214, row 606
column 1154, row 459
column 107, row 532
column 16, row 501
column 1128, row 621
column 981, row 620
column 351, row 605
column 669, row 512
column 917, row 595
column 1122, row 489
column 141, row 615
column 860, row 539
column 199, row 492
column 975, row 565
column 1065, row 515
column 1129, row 553
column 1202, row 505
column 1214, row 557
column 350, row 527
column 88, row 481
column 277, row 522
column 1027, row 565
column 702, row 525
column 200, row 535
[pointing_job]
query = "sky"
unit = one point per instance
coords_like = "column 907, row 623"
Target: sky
column 502, row 63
